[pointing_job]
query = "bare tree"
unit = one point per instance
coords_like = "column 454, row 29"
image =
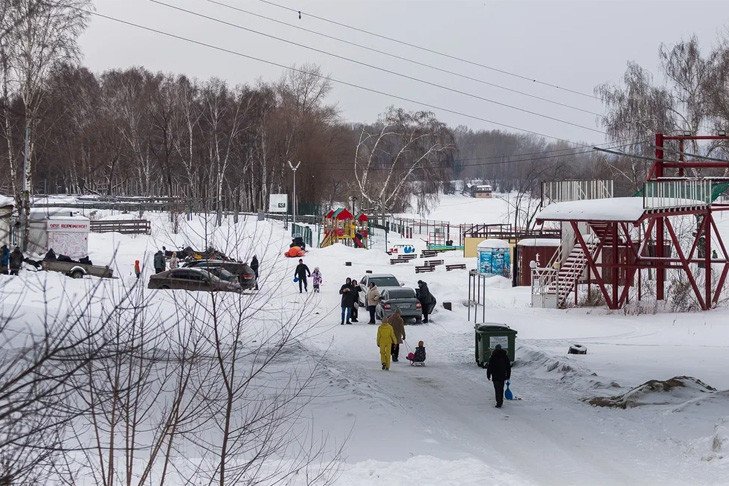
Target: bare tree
column 43, row 351
column 402, row 146
column 39, row 38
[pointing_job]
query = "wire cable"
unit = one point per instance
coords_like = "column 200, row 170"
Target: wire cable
column 402, row 58
column 378, row 68
column 334, row 80
column 432, row 51
column 503, row 159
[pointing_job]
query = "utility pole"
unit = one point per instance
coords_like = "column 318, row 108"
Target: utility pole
column 294, row 170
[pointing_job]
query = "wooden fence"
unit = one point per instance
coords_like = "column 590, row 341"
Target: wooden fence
column 123, row 226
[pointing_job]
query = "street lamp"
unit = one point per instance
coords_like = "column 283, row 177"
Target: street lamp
column 294, row 170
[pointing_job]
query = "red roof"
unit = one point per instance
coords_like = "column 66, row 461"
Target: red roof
column 342, row 213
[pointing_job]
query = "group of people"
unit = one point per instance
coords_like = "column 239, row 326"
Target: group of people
column 390, row 335
column 11, row 261
column 350, row 291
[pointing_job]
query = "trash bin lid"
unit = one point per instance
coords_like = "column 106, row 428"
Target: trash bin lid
column 494, row 327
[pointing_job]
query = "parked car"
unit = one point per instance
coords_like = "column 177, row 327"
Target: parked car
column 402, row 298
column 191, row 279
column 382, row 280
column 244, row 273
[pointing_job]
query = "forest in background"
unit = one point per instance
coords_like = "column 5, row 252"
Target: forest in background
column 134, row 132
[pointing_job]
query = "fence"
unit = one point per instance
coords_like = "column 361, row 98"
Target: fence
column 305, row 233
column 123, row 226
column 681, row 193
column 506, row 232
column 571, row 190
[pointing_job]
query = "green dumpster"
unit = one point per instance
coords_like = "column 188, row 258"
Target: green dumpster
column 488, row 335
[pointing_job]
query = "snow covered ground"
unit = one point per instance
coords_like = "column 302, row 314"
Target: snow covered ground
column 437, row 425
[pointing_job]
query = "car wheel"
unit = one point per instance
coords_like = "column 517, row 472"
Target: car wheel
column 77, row 274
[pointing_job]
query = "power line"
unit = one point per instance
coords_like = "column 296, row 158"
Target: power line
column 503, row 159
column 432, row 51
column 378, row 68
column 344, row 83
column 402, row 58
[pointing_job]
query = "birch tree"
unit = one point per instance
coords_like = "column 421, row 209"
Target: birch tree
column 401, row 147
column 39, row 39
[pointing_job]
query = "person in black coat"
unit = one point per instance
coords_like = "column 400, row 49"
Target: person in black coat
column 159, row 262
column 302, row 271
column 498, row 371
column 427, row 301
column 16, row 261
column 348, row 296
column 254, row 267
column 355, row 311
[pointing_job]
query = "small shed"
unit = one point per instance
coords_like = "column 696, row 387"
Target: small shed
column 67, row 233
column 537, row 250
column 494, row 258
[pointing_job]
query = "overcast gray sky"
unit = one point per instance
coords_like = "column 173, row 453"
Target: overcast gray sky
column 572, row 44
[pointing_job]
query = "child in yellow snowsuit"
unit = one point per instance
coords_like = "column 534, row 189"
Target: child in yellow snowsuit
column 385, row 340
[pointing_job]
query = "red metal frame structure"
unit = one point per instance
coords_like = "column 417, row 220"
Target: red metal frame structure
column 641, row 243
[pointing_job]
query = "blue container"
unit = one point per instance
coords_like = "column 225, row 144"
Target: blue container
column 494, row 258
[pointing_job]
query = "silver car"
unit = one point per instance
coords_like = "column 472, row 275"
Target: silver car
column 402, row 298
column 382, row 280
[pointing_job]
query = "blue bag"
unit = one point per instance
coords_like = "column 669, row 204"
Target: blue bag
column 507, row 393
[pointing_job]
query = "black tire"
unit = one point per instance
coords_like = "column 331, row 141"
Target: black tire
column 77, row 274
column 577, row 349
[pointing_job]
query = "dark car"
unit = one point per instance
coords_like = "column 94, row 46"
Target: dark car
column 244, row 273
column 191, row 279
column 382, row 280
column 402, row 298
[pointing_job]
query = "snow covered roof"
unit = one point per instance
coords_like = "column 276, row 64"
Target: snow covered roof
column 41, row 214
column 494, row 244
column 539, row 242
column 613, row 209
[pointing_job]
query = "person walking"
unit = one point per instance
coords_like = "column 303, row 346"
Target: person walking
column 316, row 279
column 4, row 259
column 16, row 261
column 137, row 270
column 159, row 262
column 355, row 307
column 498, row 371
column 174, row 261
column 373, row 297
column 398, row 327
column 385, row 340
column 254, row 267
column 348, row 296
column 427, row 301
column 302, row 271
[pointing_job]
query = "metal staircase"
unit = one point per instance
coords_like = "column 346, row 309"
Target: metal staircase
column 571, row 270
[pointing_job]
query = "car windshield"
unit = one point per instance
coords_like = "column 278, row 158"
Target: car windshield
column 401, row 293
column 390, row 281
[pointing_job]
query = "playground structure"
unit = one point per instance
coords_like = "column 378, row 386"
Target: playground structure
column 611, row 243
column 341, row 226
